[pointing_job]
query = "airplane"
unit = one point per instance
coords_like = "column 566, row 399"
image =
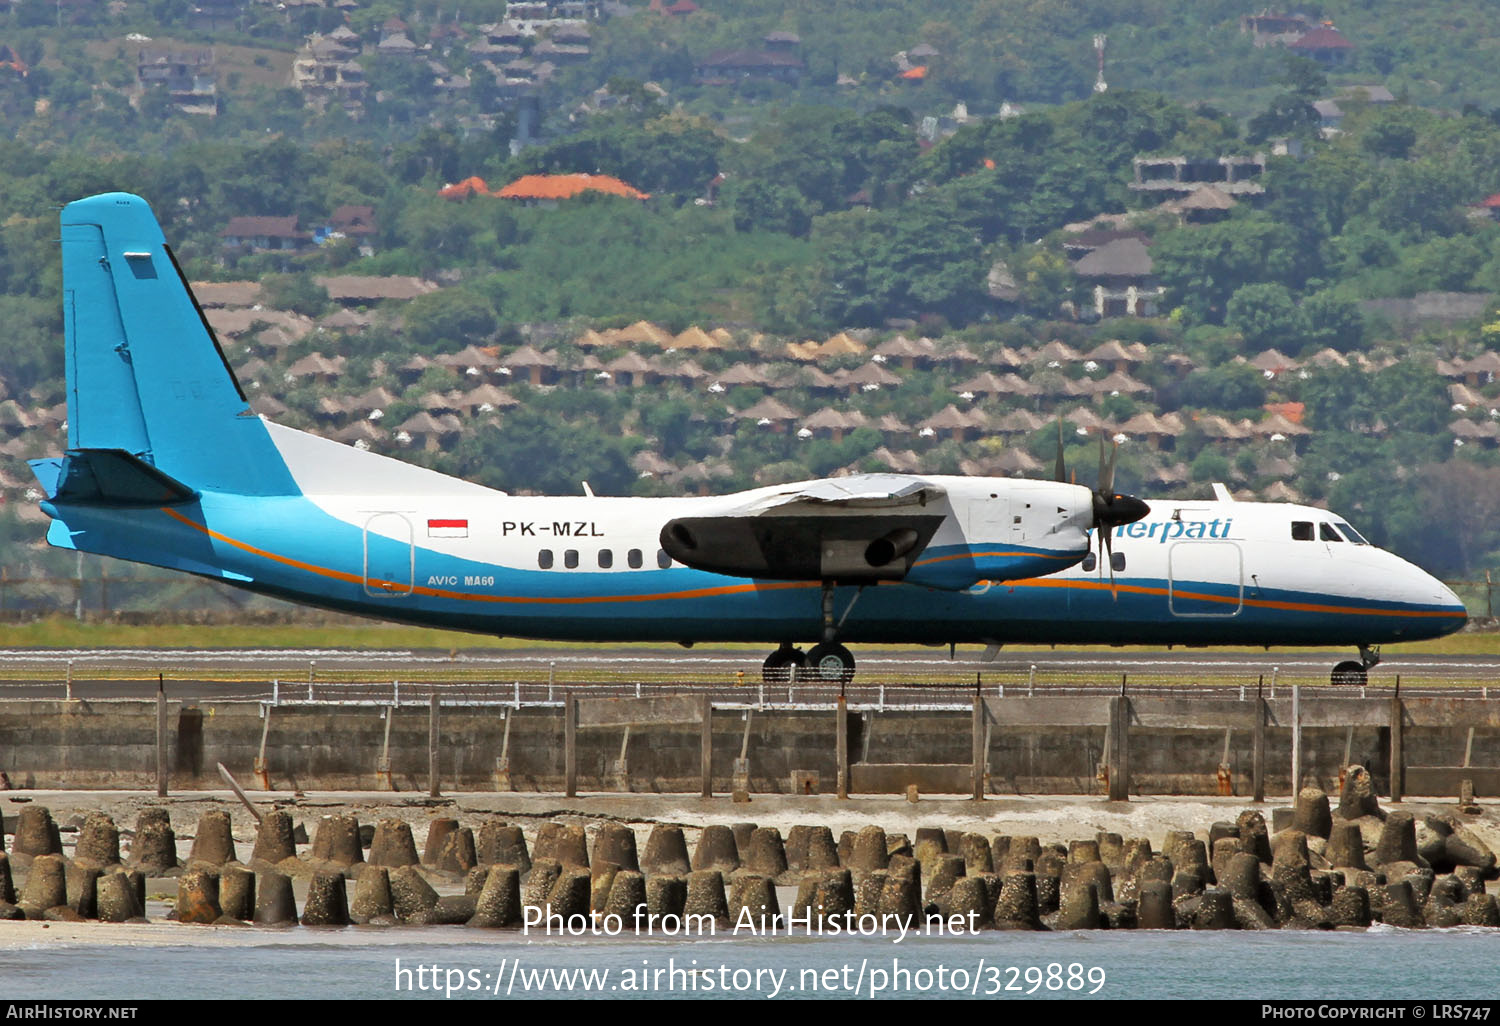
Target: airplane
column 167, row 465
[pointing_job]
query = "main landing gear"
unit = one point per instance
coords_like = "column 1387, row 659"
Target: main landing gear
column 1356, row 673
column 827, row 662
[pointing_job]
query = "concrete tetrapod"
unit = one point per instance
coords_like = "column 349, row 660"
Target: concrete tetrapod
column 153, row 850
column 615, row 843
column 705, row 896
column 438, row 830
column 500, row 844
column 499, row 904
column 274, row 842
column 752, row 899
column 117, row 898
column 627, row 895
column 666, row 852
column 1016, row 908
column 274, row 905
column 237, row 892
column 392, row 845
column 327, row 901
column 716, row 850
column 412, row 897
column 372, row 895
column 46, row 885
column 213, row 843
column 82, row 881
column 36, row 834
column 336, row 841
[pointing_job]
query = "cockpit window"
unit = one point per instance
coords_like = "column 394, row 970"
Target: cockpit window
column 1302, row 530
column 1328, row 534
column 1351, row 533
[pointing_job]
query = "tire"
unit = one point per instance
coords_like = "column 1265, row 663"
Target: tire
column 1349, row 674
column 829, row 663
column 782, row 665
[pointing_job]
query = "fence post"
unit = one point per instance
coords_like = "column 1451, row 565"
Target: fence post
column 1258, row 752
column 976, row 772
column 1398, row 755
column 841, row 746
column 161, row 737
column 706, row 746
column 570, row 745
column 432, row 746
column 1296, row 740
column 1119, row 749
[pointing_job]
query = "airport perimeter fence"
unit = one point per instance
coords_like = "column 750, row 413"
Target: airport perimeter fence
column 729, row 680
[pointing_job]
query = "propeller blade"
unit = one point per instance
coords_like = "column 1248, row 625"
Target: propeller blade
column 1061, row 471
column 1108, row 547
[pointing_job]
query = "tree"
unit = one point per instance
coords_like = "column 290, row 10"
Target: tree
column 1202, row 267
column 448, row 318
column 1266, row 315
column 1332, row 322
column 296, row 292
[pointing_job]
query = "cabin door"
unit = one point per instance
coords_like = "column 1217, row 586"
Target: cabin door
column 1205, row 578
column 388, row 555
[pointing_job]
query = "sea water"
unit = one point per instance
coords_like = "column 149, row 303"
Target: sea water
column 445, row 964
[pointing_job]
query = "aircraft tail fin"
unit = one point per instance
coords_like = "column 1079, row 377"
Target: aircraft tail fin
column 153, row 405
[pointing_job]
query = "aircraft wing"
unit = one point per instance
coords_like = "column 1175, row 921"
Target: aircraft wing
column 865, row 528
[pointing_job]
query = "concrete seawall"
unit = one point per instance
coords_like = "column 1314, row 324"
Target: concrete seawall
column 1037, row 745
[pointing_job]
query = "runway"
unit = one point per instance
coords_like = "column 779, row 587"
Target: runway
column 545, row 673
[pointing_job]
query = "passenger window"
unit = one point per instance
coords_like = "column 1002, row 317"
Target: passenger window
column 606, row 558
column 1089, row 562
column 633, row 557
column 1302, row 530
column 662, row 559
column 1328, row 534
column 544, row 559
column 570, row 559
column 1117, row 561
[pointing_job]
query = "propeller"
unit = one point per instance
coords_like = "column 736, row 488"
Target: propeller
column 1111, row 509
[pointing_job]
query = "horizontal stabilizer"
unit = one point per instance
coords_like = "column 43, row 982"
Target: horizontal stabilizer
column 108, row 477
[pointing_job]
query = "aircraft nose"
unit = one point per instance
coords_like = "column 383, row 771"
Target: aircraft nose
column 1451, row 612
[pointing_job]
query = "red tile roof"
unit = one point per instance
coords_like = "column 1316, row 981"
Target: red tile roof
column 567, row 186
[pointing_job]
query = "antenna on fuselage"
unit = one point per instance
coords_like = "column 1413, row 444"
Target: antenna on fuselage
column 587, row 490
column 1221, row 493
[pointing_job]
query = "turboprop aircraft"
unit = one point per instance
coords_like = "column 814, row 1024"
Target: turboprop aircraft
column 167, row 465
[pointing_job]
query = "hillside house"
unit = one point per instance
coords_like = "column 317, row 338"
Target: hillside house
column 1120, row 275
column 265, row 234
column 187, row 77
column 728, row 67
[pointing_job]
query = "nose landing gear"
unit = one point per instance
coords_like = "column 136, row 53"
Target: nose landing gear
column 1349, row 672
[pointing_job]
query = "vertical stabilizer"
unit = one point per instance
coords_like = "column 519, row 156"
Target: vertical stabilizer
column 145, row 373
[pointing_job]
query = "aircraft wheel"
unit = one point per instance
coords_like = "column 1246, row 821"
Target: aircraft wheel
column 829, row 663
column 781, row 665
column 1349, row 673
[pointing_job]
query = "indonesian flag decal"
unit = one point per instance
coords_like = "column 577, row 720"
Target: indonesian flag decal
column 447, row 528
